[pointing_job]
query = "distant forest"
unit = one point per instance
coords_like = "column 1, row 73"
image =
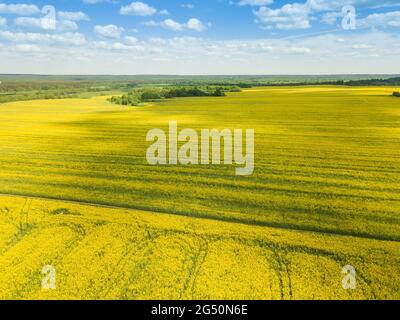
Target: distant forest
column 30, row 87
column 139, row 96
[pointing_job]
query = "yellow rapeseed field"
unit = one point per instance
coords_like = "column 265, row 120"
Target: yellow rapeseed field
column 76, row 193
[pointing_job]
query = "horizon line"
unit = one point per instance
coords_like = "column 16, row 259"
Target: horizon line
column 200, row 75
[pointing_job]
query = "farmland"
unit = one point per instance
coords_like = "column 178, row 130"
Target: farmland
column 77, row 193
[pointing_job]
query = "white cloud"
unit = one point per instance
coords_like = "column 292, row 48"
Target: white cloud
column 298, row 15
column 196, row 55
column 331, row 5
column 3, row 21
column 156, row 50
column 297, row 50
column 362, row 46
column 138, row 9
column 27, row 22
column 163, row 12
column 389, row 19
column 99, row 44
column 187, row 6
column 196, row 25
column 158, row 41
column 117, row 46
column 331, row 17
column 66, row 25
column 290, row 16
column 68, row 38
column 327, row 5
column 255, row 2
column 151, row 23
column 109, row 31
column 120, row 46
column 172, row 25
column 27, row 48
column 19, row 9
column 192, row 24
column 130, row 40
column 36, row 23
column 73, row 16
column 97, row 1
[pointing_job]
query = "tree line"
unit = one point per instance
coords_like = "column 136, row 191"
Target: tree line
column 141, row 95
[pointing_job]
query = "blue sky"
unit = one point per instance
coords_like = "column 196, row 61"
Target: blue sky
column 199, row 37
